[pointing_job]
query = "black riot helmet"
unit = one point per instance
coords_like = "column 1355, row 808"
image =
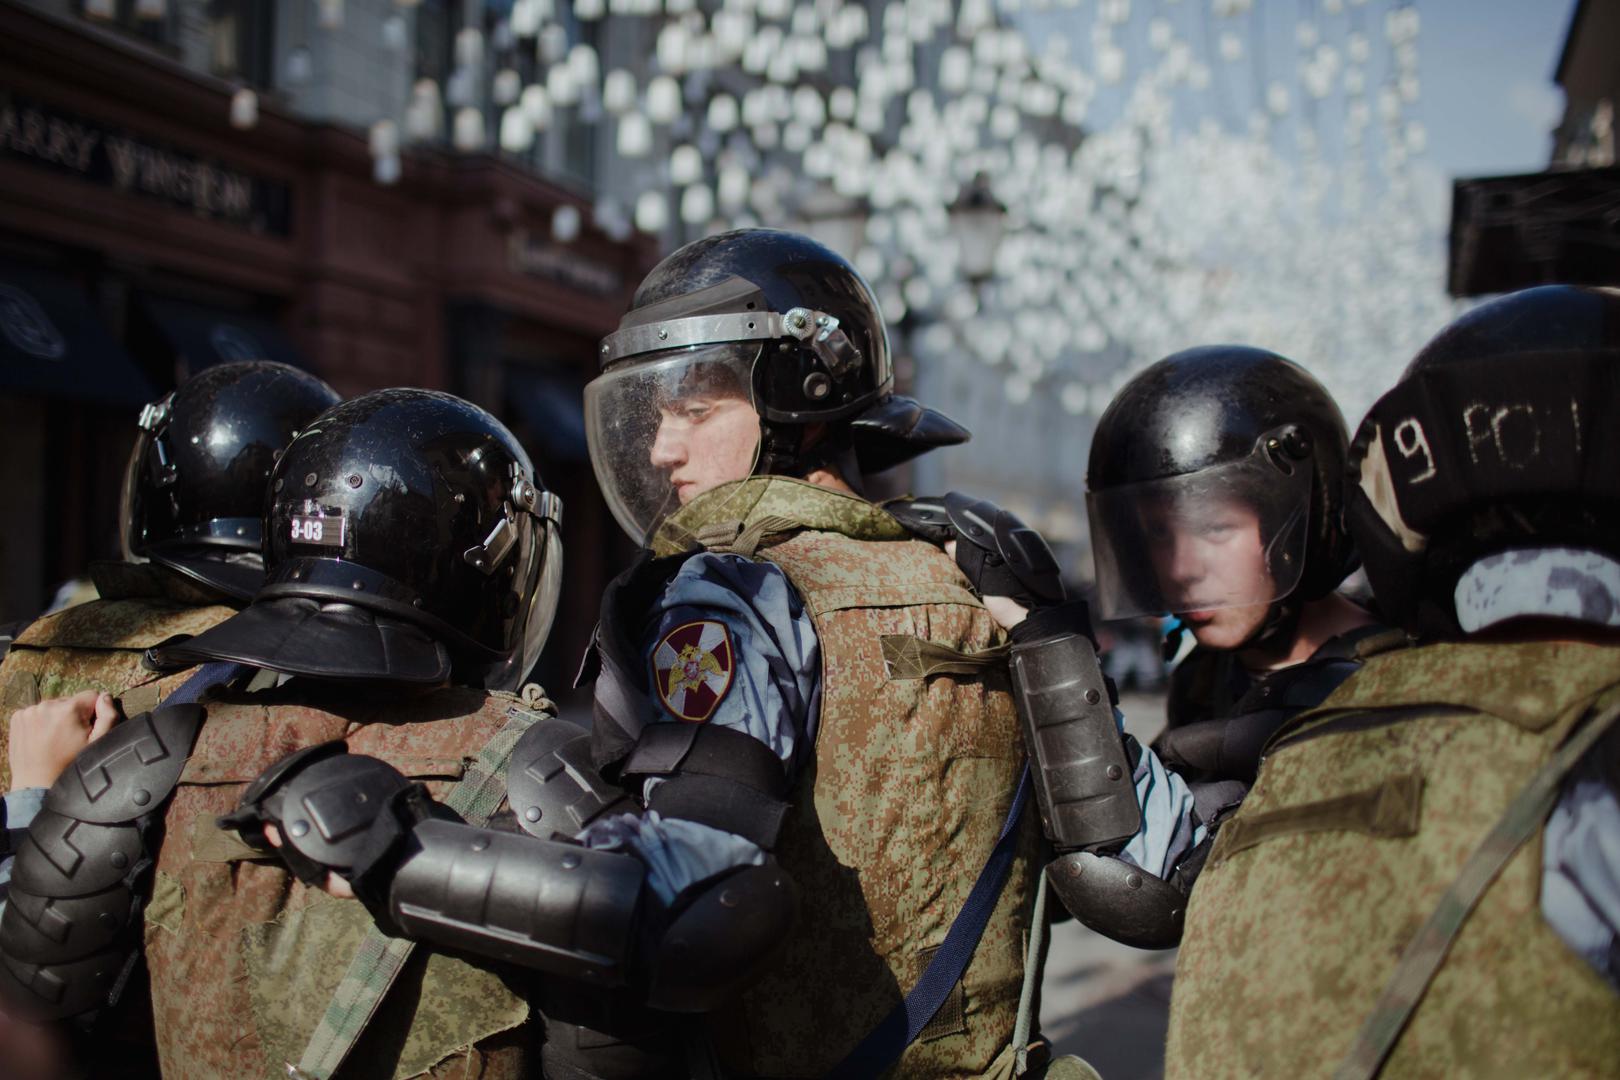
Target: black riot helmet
column 1503, row 434
column 1193, row 447
column 194, row 488
column 769, row 318
column 408, row 539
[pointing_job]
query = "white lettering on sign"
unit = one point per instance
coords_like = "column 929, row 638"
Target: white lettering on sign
column 1512, row 431
column 1411, row 441
column 323, row 529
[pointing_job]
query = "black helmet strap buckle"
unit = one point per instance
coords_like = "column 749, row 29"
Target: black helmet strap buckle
column 154, row 423
column 525, row 497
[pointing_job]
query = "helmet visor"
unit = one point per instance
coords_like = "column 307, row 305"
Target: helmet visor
column 666, row 428
column 1231, row 535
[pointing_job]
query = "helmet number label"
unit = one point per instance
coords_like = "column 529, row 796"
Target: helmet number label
column 323, row 528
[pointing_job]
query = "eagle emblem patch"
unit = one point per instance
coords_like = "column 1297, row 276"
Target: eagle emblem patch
column 692, row 668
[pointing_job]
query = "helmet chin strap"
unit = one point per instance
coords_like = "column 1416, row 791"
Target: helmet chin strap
column 781, row 453
column 1276, row 633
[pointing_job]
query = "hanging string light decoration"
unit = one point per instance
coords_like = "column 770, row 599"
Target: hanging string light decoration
column 1166, row 172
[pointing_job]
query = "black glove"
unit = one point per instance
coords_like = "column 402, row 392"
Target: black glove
column 998, row 553
column 338, row 813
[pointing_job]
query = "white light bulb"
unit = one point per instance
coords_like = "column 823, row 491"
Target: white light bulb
column 565, row 223
column 635, row 136
column 468, row 131
column 505, row 87
column 697, row 204
column 663, row 100
column 652, row 212
column 244, row 109
column 685, row 165
column 517, row 131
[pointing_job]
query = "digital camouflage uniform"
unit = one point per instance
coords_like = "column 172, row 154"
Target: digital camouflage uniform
column 244, row 958
column 99, row 645
column 912, row 774
column 1363, row 815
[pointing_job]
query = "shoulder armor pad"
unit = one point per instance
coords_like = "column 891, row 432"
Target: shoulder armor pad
column 924, row 518
column 65, row 857
column 1000, row 532
column 553, row 785
column 130, row 770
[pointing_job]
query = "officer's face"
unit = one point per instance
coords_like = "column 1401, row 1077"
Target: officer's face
column 705, row 440
column 1206, row 558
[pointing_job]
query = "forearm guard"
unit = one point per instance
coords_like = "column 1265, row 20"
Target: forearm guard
column 71, row 927
column 535, row 900
column 1077, row 756
column 554, row 906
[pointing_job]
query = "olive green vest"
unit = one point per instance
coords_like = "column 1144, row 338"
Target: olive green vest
column 96, row 646
column 914, row 771
column 244, row 958
column 1363, row 814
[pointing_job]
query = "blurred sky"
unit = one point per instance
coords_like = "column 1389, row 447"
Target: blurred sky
column 1489, row 101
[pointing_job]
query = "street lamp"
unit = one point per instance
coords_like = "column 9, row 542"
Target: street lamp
column 979, row 221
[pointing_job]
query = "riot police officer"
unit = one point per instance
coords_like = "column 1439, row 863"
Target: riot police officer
column 800, row 695
column 412, row 559
column 190, row 532
column 189, row 529
column 1215, row 490
column 1393, row 897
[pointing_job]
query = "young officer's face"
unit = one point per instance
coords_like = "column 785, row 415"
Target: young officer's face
column 705, row 440
column 1206, row 560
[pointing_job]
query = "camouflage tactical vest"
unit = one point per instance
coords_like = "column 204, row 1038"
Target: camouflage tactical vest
column 1362, row 817
column 914, row 772
column 244, row 958
column 96, row 646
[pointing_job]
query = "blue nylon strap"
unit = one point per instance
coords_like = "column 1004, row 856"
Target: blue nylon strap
column 883, row 1046
column 204, row 679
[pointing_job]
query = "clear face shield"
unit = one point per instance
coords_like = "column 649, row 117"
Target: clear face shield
column 1232, row 535
column 666, row 427
column 150, row 426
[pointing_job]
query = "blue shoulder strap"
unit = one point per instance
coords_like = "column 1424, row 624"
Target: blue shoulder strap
column 883, row 1046
column 204, row 679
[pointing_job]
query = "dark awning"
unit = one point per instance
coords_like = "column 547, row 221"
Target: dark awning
column 53, row 344
column 552, row 406
column 1512, row 232
column 206, row 336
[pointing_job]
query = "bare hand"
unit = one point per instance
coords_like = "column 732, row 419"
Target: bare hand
column 45, row 738
column 335, row 886
column 1007, row 612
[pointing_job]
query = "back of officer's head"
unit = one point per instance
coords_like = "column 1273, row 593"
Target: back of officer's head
column 1500, row 442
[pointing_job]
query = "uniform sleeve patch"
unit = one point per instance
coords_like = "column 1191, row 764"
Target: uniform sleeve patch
column 692, row 669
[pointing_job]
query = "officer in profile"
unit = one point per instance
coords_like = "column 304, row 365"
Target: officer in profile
column 411, row 566
column 796, row 697
column 1215, row 490
column 1422, row 881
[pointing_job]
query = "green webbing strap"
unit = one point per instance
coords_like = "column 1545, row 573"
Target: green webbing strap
column 378, row 961
column 1425, row 952
column 1026, row 996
